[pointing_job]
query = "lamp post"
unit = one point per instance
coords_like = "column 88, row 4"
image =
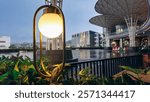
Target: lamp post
column 51, row 25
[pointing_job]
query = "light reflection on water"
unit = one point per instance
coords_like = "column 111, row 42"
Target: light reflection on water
column 80, row 54
column 95, row 54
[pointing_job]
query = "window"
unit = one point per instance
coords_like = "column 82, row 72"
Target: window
column 2, row 41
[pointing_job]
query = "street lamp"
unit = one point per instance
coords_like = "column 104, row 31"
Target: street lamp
column 51, row 25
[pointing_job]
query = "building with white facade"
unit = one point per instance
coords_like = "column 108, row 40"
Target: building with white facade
column 4, row 42
column 86, row 39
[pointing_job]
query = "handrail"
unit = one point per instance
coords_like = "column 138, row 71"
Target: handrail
column 102, row 59
column 103, row 67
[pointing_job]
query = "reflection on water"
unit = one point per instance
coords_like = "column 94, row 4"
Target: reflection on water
column 81, row 54
column 94, row 54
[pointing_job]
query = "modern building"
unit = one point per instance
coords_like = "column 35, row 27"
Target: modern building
column 126, row 23
column 4, row 42
column 86, row 39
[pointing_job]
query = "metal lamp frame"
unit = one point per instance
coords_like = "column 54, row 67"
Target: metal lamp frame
column 45, row 73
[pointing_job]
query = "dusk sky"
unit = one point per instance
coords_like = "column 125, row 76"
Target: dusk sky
column 17, row 16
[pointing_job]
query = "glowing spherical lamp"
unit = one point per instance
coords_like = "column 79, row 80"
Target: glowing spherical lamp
column 50, row 25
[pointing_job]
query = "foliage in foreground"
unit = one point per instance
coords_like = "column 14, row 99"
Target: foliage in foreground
column 129, row 76
column 137, row 76
column 17, row 70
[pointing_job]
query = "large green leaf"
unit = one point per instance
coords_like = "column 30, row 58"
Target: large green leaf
column 15, row 75
column 84, row 72
column 147, row 70
column 3, row 77
column 16, row 66
column 134, row 70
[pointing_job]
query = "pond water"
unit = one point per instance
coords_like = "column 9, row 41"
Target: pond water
column 95, row 54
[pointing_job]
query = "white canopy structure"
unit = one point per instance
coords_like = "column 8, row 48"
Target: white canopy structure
column 115, row 12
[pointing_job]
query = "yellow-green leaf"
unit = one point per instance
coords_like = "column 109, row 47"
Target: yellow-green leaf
column 16, row 66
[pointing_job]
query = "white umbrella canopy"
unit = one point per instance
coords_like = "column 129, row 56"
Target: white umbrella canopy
column 113, row 11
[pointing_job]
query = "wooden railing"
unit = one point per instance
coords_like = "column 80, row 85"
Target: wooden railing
column 104, row 67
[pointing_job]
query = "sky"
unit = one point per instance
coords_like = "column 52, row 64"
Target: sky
column 16, row 18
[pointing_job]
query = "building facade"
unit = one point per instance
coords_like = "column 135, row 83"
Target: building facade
column 54, row 43
column 86, row 39
column 125, row 23
column 4, row 42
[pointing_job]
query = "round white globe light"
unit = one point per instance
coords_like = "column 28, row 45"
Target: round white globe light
column 50, row 25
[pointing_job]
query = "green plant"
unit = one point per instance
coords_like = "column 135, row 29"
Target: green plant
column 18, row 70
column 131, row 76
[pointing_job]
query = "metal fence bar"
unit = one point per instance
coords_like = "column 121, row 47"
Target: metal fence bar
column 104, row 67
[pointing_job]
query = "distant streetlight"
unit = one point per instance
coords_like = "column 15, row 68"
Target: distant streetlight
column 51, row 24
